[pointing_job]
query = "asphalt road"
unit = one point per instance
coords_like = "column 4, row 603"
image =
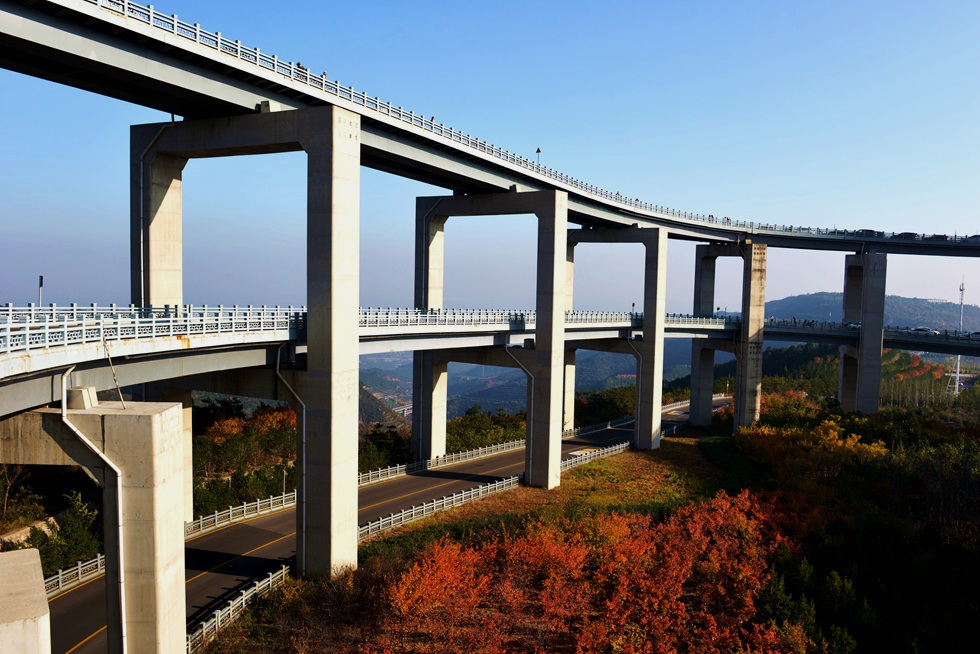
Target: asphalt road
column 221, row 563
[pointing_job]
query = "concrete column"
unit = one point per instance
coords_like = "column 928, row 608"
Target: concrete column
column 748, row 366
column 429, row 385
column 156, row 221
column 429, row 414
column 543, row 459
column 568, row 404
column 25, row 622
column 144, row 442
column 864, row 301
column 569, row 275
column 702, row 357
column 331, row 384
column 650, row 378
column 161, row 393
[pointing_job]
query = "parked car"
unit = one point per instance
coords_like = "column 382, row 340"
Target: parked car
column 922, row 331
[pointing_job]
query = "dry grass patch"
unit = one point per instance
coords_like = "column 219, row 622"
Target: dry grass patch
column 656, row 480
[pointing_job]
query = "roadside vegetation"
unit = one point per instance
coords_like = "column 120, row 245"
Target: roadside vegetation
column 811, row 531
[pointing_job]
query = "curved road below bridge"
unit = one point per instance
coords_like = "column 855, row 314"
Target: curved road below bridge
column 218, row 565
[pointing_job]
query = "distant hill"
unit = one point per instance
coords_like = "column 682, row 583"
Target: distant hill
column 504, row 388
column 372, row 410
column 899, row 311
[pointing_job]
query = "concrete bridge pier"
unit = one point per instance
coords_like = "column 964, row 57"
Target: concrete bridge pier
column 748, row 350
column 702, row 354
column 331, row 138
column 144, row 441
column 648, row 351
column 568, row 404
column 158, row 392
column 429, row 376
column 748, row 345
column 546, row 361
column 864, row 302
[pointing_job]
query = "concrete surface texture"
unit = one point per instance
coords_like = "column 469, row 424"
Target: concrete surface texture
column 25, row 625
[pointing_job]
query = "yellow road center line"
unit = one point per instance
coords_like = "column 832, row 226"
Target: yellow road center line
column 86, row 640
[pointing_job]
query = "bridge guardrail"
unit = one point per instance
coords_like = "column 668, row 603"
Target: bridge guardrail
column 31, row 328
column 82, row 571
column 73, row 576
column 34, row 328
column 301, row 75
column 428, row 508
column 233, row 514
column 391, row 472
column 208, row 630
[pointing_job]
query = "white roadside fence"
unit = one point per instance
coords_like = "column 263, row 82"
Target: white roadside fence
column 207, row 631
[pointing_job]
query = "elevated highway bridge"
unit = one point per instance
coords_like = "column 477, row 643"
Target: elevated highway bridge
column 234, row 99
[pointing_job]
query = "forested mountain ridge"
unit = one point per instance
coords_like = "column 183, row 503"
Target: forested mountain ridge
column 899, row 311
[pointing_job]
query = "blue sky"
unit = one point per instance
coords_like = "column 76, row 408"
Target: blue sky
column 846, row 114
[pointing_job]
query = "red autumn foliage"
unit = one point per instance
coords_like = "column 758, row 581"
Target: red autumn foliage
column 597, row 584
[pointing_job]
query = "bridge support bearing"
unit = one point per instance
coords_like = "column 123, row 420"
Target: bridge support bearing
column 864, row 301
column 144, row 442
column 748, row 362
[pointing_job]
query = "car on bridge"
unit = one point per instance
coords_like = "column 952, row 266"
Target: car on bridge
column 975, row 336
column 922, row 331
column 854, row 325
column 907, row 236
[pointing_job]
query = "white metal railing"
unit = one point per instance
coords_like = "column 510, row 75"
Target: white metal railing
column 320, row 85
column 586, row 457
column 233, row 514
column 391, row 472
column 32, row 328
column 463, row 497
column 85, row 570
column 208, row 630
column 428, row 508
column 73, row 576
column 24, row 329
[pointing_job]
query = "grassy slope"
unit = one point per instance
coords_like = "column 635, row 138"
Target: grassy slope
column 652, row 482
